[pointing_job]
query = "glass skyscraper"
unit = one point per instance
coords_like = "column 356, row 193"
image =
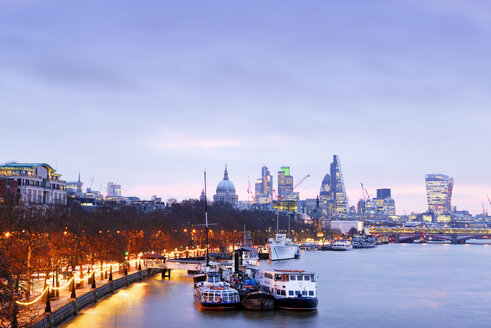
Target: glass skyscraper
column 338, row 191
column 264, row 186
column 285, row 182
column 439, row 193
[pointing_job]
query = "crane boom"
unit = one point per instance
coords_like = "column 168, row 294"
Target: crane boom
column 301, row 181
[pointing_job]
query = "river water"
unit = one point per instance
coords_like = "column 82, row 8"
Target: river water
column 396, row 285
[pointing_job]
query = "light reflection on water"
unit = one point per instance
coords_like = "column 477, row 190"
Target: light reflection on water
column 397, row 285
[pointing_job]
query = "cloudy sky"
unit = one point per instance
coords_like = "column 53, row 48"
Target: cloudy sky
column 150, row 93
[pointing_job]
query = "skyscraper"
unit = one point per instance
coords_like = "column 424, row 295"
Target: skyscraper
column 285, row 182
column 439, row 193
column 113, row 190
column 325, row 198
column 264, row 186
column 338, row 191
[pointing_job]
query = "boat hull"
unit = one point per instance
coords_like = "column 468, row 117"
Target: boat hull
column 279, row 252
column 216, row 306
column 258, row 301
column 297, row 303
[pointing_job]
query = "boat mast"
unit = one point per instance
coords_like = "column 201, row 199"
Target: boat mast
column 277, row 222
column 206, row 226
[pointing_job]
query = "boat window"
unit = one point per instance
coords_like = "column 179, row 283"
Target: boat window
column 304, row 292
column 306, row 278
column 312, row 277
column 290, row 293
column 311, row 293
column 283, row 293
column 293, row 278
column 297, row 292
column 268, row 276
column 299, row 278
column 278, row 276
column 278, row 292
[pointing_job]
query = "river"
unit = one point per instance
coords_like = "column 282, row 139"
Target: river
column 396, row 285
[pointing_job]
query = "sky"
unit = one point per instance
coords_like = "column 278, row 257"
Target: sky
column 149, row 94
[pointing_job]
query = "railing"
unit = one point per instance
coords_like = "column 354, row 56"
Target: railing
column 74, row 306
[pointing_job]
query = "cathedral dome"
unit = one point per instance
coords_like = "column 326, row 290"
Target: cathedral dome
column 225, row 185
column 226, row 191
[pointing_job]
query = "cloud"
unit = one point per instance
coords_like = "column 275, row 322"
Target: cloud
column 187, row 143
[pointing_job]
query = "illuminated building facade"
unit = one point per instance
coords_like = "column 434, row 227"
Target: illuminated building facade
column 325, row 197
column 385, row 205
column 264, row 187
column 37, row 183
column 8, row 189
column 439, row 193
column 285, row 183
column 113, row 190
column 225, row 192
column 338, row 191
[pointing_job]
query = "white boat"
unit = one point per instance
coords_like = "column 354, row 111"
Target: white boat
column 292, row 289
column 282, row 248
column 341, row 245
column 214, row 294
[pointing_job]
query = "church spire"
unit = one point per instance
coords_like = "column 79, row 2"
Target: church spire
column 225, row 174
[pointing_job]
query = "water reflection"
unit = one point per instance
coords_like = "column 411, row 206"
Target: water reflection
column 390, row 286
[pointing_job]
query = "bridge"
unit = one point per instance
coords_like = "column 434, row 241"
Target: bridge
column 408, row 235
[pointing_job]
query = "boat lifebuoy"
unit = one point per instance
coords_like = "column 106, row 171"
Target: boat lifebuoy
column 219, row 299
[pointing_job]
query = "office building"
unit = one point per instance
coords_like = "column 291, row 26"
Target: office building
column 264, row 187
column 285, row 183
column 338, row 191
column 37, row 183
column 325, row 197
column 439, row 193
column 113, row 190
column 225, row 193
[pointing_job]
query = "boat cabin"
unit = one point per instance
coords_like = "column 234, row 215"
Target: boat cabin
column 289, row 283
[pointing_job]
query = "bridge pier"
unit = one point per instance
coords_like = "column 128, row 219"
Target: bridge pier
column 165, row 273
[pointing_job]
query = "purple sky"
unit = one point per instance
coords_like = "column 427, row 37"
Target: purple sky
column 150, row 93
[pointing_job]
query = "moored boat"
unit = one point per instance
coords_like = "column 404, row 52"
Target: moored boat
column 282, row 248
column 341, row 245
column 214, row 294
column 292, row 289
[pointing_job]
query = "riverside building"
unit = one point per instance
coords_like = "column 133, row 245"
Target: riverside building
column 37, row 183
column 439, row 193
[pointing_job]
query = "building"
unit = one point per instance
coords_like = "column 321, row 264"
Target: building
column 385, row 205
column 439, row 193
column 37, row 183
column 8, row 189
column 325, row 197
column 74, row 188
column 225, row 193
column 383, row 193
column 338, row 191
column 285, row 183
column 264, row 187
column 113, row 190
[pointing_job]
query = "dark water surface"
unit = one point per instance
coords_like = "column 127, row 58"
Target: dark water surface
column 398, row 285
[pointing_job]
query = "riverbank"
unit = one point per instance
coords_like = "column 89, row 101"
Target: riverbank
column 74, row 305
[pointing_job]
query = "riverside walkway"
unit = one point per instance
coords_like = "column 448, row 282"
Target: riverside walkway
column 42, row 312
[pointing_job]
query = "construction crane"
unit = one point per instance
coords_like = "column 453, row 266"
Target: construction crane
column 91, row 182
column 489, row 200
column 301, row 181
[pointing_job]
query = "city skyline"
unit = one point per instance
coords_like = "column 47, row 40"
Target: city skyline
column 149, row 96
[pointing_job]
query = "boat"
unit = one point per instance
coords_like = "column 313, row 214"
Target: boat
column 242, row 278
column 362, row 240
column 214, row 294
column 341, row 245
column 292, row 289
column 262, row 253
column 282, row 248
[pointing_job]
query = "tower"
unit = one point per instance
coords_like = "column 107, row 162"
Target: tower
column 338, row 191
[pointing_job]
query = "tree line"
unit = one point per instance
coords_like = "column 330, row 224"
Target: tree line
column 40, row 241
